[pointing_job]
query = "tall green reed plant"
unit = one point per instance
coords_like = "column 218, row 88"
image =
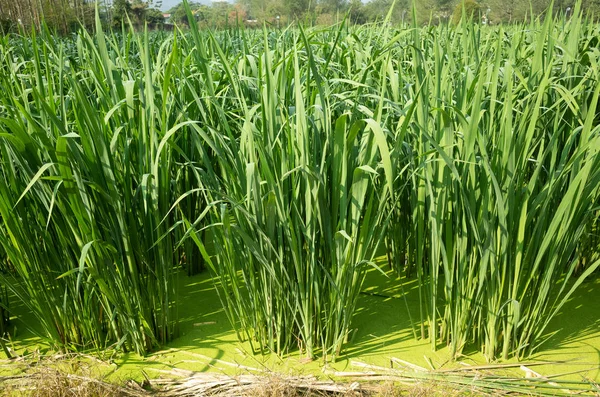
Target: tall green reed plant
column 4, row 303
column 85, row 184
column 503, row 153
column 297, row 196
column 288, row 158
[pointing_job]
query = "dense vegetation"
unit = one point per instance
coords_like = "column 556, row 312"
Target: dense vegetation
column 427, row 11
column 66, row 16
column 287, row 160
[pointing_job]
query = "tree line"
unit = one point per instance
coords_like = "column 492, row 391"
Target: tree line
column 427, row 11
column 65, row 16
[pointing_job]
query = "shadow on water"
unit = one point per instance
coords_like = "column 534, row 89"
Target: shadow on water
column 382, row 319
column 381, row 322
column 199, row 306
column 578, row 320
column 382, row 325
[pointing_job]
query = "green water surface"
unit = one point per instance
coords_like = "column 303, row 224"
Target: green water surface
column 381, row 330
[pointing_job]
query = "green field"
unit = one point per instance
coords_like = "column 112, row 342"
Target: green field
column 303, row 196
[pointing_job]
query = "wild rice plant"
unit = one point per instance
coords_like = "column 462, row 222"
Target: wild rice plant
column 284, row 160
column 503, row 152
column 85, row 184
column 494, row 157
column 4, row 316
column 295, row 198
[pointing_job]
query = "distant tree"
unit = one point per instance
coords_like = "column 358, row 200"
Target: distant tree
column 263, row 10
column 155, row 17
column 377, row 10
column 508, row 10
column 444, row 9
column 298, row 8
column 471, row 10
column 138, row 11
column 591, row 7
column 120, row 10
column 220, row 13
column 178, row 13
column 61, row 16
column 203, row 13
column 357, row 12
column 333, row 6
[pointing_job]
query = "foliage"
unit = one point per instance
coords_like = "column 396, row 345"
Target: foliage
column 504, row 180
column 63, row 16
column 356, row 12
column 179, row 15
column 377, row 10
column 298, row 8
column 284, row 160
column 84, row 188
column 4, row 314
column 7, row 26
column 154, row 17
column 468, row 9
column 120, row 10
column 138, row 11
column 264, row 10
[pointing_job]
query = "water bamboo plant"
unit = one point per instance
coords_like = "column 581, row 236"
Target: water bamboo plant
column 286, row 161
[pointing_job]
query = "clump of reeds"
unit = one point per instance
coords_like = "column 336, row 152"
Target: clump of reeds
column 503, row 153
column 84, row 187
column 285, row 160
